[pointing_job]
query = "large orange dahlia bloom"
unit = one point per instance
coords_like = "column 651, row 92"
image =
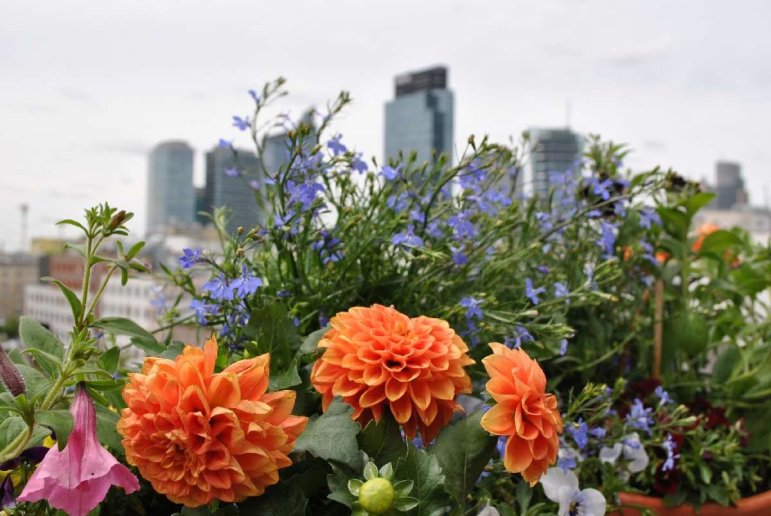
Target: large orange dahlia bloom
column 524, row 412
column 377, row 358
column 198, row 436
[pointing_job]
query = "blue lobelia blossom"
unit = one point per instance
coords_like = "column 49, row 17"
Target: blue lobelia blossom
column 303, row 193
column 470, row 178
column 578, row 431
column 433, row 230
column 390, row 174
column 567, row 463
column 323, row 320
column 462, row 227
column 254, row 184
column 398, row 203
column 242, row 124
column 336, row 146
column 648, row 253
column 662, row 395
column 560, row 290
column 501, row 446
column 543, row 269
column 358, row 164
column 598, row 432
column 246, row 284
column 417, row 215
column 190, row 257
column 203, row 310
column 640, row 417
column 607, row 239
column 544, row 220
column 600, row 188
column 219, row 289
column 159, row 300
column 458, row 258
column 648, row 280
column 225, row 144
column 232, row 172
column 407, row 238
column 619, row 208
column 532, row 293
column 327, row 247
column 563, row 347
column 669, row 446
column 254, row 96
column 521, row 335
column 472, row 306
column 648, row 217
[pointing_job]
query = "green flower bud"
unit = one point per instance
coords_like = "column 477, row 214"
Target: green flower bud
column 377, row 495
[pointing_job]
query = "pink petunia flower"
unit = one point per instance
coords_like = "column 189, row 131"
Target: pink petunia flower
column 77, row 478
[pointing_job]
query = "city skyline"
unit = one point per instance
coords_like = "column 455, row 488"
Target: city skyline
column 79, row 117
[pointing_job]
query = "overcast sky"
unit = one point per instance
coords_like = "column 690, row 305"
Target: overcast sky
column 87, row 87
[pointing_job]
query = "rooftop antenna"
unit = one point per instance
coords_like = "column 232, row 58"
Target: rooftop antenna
column 24, row 212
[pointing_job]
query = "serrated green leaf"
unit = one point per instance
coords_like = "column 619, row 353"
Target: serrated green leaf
column 60, row 421
column 383, row 441
column 463, row 449
column 311, row 342
column 275, row 333
column 332, row 436
column 282, row 499
column 426, row 474
column 280, row 380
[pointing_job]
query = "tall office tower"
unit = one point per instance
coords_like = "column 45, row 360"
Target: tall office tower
column 555, row 151
column 223, row 189
column 170, row 195
column 420, row 118
column 730, row 185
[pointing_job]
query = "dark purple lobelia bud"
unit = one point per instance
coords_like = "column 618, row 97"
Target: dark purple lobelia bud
column 10, row 375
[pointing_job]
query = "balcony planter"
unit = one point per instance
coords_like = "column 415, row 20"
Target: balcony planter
column 757, row 505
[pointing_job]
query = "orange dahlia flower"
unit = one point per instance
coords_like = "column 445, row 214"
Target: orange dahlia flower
column 198, row 436
column 524, row 412
column 703, row 231
column 377, row 358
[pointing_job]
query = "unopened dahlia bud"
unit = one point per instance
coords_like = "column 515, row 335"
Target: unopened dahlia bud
column 377, row 495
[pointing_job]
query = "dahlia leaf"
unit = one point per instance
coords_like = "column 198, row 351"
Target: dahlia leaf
column 382, row 441
column 284, row 379
column 282, row 499
column 463, row 450
column 275, row 333
column 427, row 478
column 311, row 342
column 332, row 436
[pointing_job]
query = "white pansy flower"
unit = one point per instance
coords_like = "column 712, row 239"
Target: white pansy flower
column 632, row 451
column 562, row 488
column 488, row 510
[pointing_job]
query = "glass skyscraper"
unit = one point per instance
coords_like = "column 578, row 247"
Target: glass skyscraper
column 222, row 189
column 420, row 118
column 170, row 194
column 554, row 151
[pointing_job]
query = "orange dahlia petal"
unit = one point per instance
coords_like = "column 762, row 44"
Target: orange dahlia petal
column 199, row 436
column 379, row 359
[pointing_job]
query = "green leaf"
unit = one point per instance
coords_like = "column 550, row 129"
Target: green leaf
column 426, row 474
column 675, row 222
column 697, row 202
column 149, row 346
column 110, row 359
column 274, row 332
column 72, row 298
column 12, row 431
column 280, row 380
column 134, row 250
column 726, row 363
column 463, row 450
column 71, row 222
column 719, row 241
column 337, row 481
column 37, row 384
column 332, row 436
column 93, row 369
column 106, row 421
column 749, row 280
column 60, row 421
column 383, row 441
column 282, row 499
column 173, row 350
column 311, row 342
column 34, row 335
column 123, row 326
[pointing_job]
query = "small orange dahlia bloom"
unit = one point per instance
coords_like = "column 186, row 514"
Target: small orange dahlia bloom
column 703, row 232
column 524, row 412
column 377, row 358
column 198, row 436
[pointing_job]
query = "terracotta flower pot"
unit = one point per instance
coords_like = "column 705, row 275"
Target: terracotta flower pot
column 758, row 505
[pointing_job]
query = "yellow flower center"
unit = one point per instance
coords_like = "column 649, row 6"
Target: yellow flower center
column 376, row 495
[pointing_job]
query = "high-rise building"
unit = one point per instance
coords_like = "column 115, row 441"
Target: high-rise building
column 170, row 194
column 16, row 270
column 228, row 175
column 554, row 151
column 420, row 118
column 730, row 186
